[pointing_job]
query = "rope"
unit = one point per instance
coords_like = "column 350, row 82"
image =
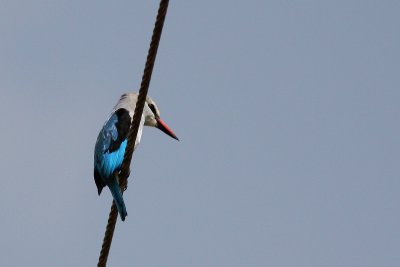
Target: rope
column 144, row 87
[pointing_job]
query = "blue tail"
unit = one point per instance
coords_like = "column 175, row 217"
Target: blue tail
column 118, row 199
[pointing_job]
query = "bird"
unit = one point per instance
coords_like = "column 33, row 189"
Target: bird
column 112, row 141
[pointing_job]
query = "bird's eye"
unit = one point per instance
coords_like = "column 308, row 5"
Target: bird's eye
column 153, row 109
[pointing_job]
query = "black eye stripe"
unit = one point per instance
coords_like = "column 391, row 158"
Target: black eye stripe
column 153, row 109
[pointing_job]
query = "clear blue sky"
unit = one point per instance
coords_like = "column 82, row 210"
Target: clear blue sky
column 288, row 114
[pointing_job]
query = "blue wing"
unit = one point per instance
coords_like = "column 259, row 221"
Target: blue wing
column 111, row 144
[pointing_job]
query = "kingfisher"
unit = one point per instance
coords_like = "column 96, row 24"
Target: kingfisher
column 112, row 141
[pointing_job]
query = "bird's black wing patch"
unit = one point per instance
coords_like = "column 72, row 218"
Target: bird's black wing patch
column 123, row 124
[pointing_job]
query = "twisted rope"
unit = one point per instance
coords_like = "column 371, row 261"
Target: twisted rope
column 125, row 170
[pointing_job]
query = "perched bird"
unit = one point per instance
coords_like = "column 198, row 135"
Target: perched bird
column 112, row 141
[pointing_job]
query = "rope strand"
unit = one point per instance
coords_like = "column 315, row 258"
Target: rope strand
column 125, row 169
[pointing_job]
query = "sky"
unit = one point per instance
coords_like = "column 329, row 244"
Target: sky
column 288, row 116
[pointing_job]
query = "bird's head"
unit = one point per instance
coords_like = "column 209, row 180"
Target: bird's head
column 152, row 118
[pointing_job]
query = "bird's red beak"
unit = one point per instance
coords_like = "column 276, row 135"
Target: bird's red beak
column 164, row 127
